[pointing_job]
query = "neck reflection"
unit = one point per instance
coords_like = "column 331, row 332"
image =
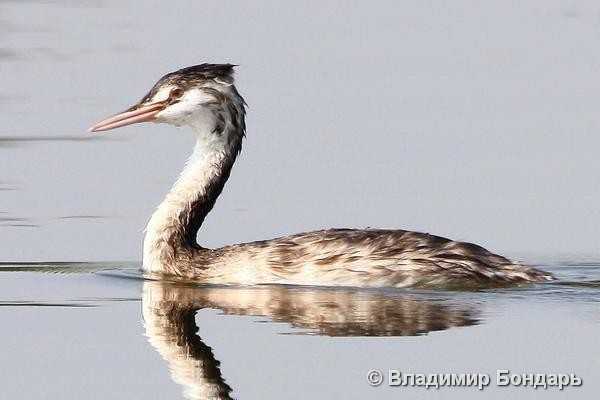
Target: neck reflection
column 169, row 313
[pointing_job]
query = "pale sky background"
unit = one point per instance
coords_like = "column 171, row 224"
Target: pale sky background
column 476, row 120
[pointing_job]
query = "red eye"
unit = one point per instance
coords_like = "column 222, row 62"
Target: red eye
column 176, row 93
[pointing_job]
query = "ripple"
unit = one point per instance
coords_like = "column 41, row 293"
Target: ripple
column 41, row 304
column 55, row 267
column 8, row 141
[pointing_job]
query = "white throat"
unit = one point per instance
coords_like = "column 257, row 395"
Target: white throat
column 172, row 228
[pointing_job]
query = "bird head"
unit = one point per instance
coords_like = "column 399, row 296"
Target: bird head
column 200, row 95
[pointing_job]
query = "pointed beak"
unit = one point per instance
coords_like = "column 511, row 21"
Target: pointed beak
column 134, row 115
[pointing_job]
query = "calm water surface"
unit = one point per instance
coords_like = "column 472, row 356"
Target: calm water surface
column 101, row 331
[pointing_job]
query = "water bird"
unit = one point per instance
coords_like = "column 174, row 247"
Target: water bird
column 204, row 98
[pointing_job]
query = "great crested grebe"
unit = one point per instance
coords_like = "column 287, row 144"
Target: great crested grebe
column 204, row 98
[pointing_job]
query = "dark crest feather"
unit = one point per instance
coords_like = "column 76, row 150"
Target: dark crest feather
column 206, row 71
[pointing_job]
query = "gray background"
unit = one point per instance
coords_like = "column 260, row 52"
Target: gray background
column 475, row 120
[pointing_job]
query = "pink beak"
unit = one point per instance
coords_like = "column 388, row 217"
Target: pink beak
column 140, row 114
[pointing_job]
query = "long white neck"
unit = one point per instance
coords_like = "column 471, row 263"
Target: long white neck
column 171, row 231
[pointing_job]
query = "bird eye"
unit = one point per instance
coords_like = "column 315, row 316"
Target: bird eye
column 176, row 93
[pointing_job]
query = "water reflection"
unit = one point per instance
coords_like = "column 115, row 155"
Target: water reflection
column 169, row 314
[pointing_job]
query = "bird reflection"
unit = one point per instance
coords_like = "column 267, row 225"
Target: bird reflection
column 169, row 313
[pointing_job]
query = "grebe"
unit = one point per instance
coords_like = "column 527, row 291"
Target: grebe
column 204, row 98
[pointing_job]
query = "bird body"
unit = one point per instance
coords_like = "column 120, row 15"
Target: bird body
column 204, row 98
column 349, row 257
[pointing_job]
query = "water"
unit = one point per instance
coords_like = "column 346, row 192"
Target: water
column 101, row 330
column 472, row 121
